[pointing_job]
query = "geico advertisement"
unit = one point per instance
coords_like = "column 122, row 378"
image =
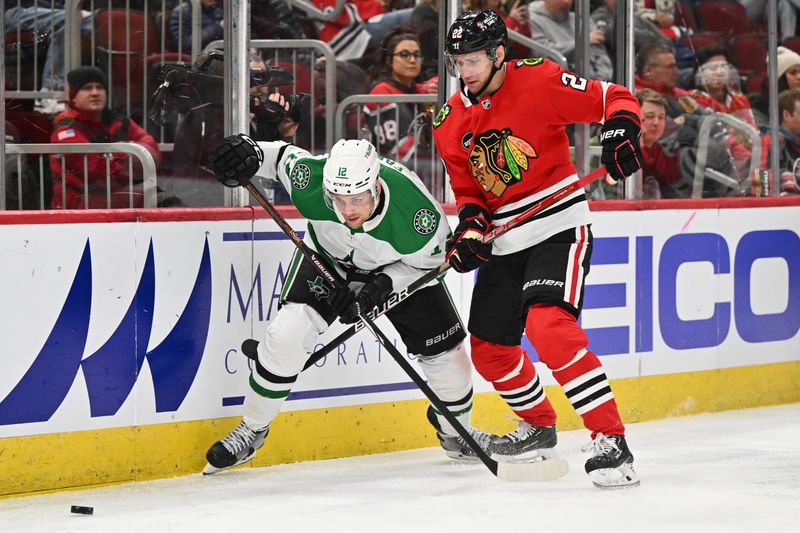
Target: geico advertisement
column 108, row 325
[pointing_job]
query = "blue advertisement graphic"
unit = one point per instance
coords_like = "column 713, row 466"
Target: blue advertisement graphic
column 111, row 371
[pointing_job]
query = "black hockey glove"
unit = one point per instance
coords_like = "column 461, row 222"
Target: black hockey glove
column 235, row 160
column 622, row 155
column 466, row 250
column 372, row 293
column 340, row 300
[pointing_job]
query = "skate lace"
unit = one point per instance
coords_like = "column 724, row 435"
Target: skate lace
column 522, row 431
column 601, row 445
column 238, row 439
column 481, row 437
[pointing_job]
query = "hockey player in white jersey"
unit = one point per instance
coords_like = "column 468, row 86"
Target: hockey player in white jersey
column 373, row 222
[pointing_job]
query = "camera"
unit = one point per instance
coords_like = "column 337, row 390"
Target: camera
column 273, row 112
column 183, row 90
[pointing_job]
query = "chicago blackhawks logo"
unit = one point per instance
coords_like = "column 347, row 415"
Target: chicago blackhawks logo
column 441, row 115
column 497, row 160
column 424, row 221
column 300, row 177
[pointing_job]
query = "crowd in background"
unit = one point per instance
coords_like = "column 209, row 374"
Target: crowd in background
column 689, row 71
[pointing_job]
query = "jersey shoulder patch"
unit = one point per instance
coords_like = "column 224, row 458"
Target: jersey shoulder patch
column 441, row 116
column 529, row 62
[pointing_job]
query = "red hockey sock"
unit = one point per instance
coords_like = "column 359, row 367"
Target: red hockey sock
column 513, row 375
column 561, row 344
column 586, row 386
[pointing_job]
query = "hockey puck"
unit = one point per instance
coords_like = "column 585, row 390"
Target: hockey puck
column 80, row 509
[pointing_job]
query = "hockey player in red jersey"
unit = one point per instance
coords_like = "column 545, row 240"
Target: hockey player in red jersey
column 502, row 138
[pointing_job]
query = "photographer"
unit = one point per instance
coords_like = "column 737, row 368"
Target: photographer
column 196, row 97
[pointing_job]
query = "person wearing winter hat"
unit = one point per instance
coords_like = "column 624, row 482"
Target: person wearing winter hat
column 788, row 69
column 89, row 120
column 788, row 142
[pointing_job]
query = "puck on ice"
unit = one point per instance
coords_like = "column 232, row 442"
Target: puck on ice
column 80, row 509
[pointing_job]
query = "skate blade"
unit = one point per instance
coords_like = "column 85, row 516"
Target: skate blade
column 211, row 470
column 532, row 456
column 543, row 470
column 622, row 477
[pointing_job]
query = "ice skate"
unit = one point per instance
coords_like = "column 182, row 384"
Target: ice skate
column 238, row 447
column 611, row 463
column 526, row 443
column 454, row 446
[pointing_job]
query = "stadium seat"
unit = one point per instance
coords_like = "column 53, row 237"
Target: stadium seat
column 684, row 15
column 792, row 43
column 724, row 16
column 749, row 52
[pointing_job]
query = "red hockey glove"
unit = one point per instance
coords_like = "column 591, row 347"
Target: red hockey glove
column 372, row 293
column 466, row 250
column 621, row 155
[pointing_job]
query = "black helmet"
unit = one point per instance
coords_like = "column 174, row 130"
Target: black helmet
column 473, row 31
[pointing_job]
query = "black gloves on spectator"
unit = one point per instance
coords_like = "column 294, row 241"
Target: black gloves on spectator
column 235, row 160
column 621, row 155
column 466, row 250
column 371, row 294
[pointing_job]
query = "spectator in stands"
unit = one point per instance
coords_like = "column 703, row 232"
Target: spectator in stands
column 553, row 24
column 360, row 26
column 787, row 14
column 211, row 24
column 661, row 169
column 46, row 18
column 516, row 19
column 788, row 71
column 89, row 120
column 718, row 84
column 657, row 69
column 662, row 14
column 401, row 131
column 644, row 31
column 425, row 20
column 788, row 142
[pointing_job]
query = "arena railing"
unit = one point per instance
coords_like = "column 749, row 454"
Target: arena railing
column 149, row 177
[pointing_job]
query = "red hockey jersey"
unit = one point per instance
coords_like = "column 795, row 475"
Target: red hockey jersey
column 509, row 150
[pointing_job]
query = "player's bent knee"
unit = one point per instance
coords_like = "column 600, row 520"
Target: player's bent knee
column 555, row 334
column 290, row 337
column 495, row 362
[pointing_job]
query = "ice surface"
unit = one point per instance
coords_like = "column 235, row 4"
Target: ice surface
column 727, row 472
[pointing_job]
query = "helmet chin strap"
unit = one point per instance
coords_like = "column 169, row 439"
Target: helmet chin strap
column 474, row 97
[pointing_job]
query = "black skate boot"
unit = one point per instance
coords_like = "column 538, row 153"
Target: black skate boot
column 454, row 446
column 611, row 463
column 238, row 447
column 526, row 443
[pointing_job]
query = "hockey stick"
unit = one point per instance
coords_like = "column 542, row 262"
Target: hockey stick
column 395, row 298
column 541, row 471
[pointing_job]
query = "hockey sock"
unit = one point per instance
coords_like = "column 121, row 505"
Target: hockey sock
column 587, row 388
column 561, row 344
column 450, row 376
column 514, row 377
column 265, row 396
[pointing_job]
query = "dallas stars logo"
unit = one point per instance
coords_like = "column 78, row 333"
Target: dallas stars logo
column 424, row 221
column 318, row 289
column 301, row 175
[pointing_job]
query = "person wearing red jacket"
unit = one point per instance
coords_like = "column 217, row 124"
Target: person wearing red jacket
column 399, row 129
column 88, row 120
column 503, row 141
